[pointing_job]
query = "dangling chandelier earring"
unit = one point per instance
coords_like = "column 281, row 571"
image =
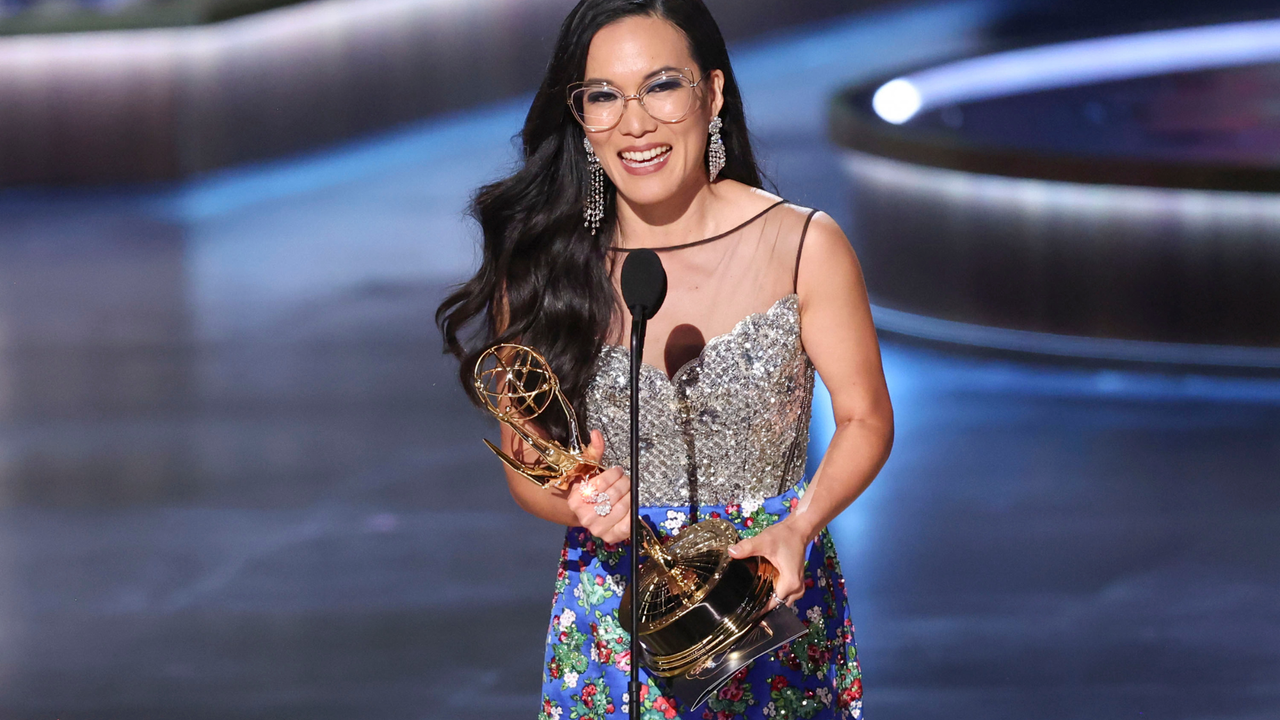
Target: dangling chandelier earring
column 593, row 208
column 715, row 148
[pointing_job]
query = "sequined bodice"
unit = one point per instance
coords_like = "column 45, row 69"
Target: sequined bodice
column 731, row 425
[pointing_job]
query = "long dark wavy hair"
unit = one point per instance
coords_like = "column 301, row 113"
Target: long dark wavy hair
column 544, row 278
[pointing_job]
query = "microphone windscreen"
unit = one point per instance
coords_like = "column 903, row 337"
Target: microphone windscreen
column 644, row 283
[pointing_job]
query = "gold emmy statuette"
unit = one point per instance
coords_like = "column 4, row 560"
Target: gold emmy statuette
column 703, row 614
column 516, row 385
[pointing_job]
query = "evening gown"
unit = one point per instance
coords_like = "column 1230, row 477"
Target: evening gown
column 725, row 436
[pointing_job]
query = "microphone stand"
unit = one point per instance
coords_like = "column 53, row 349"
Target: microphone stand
column 644, row 286
column 638, row 322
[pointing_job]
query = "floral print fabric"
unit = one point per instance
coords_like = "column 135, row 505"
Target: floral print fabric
column 587, row 663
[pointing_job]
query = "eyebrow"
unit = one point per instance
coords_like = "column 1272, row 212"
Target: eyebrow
column 659, row 71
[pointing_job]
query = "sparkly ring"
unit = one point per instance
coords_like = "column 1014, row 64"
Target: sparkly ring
column 780, row 600
column 603, row 503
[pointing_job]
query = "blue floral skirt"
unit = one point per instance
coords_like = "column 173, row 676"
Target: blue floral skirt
column 587, row 664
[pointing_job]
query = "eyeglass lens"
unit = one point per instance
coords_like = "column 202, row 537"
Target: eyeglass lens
column 667, row 99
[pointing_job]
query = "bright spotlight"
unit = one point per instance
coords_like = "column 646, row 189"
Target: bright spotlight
column 897, row 101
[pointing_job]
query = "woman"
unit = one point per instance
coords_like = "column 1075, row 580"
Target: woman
column 637, row 138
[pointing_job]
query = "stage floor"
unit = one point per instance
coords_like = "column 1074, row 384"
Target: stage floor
column 239, row 481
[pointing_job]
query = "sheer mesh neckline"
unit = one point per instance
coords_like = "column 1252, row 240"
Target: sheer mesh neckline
column 694, row 243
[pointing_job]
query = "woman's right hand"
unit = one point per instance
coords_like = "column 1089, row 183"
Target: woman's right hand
column 615, row 526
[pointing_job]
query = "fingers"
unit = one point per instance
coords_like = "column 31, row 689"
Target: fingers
column 582, row 501
column 787, row 589
column 595, row 450
column 621, row 519
column 744, row 548
column 615, row 526
column 612, row 481
column 788, row 585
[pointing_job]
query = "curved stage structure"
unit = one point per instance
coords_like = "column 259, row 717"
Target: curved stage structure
column 171, row 103
column 1110, row 198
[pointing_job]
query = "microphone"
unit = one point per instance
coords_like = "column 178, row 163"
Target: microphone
column 644, row 287
column 644, row 283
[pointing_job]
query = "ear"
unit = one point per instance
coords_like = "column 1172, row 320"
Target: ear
column 715, row 91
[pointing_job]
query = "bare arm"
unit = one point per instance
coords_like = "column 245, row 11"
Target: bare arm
column 547, row 503
column 840, row 339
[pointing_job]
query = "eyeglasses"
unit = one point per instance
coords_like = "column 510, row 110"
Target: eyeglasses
column 599, row 106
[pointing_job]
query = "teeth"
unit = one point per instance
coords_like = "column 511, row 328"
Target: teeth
column 647, row 155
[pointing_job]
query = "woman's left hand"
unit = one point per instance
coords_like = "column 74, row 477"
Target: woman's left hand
column 786, row 546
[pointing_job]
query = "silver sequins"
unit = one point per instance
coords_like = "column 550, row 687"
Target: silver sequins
column 732, row 426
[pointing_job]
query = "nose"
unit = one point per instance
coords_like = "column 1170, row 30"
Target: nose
column 635, row 121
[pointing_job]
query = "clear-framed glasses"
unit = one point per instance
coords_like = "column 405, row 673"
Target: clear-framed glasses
column 668, row 98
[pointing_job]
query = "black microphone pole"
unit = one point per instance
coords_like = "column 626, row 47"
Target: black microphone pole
column 644, row 287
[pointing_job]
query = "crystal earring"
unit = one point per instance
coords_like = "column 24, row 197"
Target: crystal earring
column 593, row 208
column 715, row 148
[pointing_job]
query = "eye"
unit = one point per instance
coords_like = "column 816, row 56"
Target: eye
column 600, row 96
column 665, row 85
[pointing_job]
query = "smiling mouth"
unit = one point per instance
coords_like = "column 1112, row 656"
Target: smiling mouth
column 652, row 156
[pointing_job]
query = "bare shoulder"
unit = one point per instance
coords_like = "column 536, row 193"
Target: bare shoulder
column 827, row 255
column 818, row 228
column 745, row 199
column 824, row 231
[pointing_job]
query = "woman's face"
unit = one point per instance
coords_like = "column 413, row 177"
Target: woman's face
column 647, row 160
